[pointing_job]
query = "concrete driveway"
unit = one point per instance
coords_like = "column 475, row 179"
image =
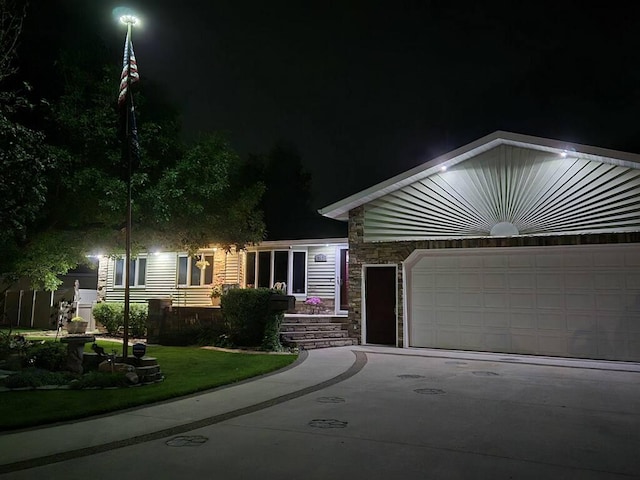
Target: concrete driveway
column 401, row 413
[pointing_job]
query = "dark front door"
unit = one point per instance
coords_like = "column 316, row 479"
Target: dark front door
column 344, row 279
column 380, row 305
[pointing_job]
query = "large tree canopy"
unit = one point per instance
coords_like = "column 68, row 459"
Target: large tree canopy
column 66, row 194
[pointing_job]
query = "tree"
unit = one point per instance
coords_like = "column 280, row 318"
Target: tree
column 184, row 197
column 287, row 200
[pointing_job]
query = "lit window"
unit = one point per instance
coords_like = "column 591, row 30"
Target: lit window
column 138, row 276
column 268, row 267
column 191, row 275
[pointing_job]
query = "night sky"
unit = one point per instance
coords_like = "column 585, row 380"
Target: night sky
column 367, row 90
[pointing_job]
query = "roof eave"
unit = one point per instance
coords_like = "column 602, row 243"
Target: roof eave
column 340, row 210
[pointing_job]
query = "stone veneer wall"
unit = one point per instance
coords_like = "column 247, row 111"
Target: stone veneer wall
column 394, row 253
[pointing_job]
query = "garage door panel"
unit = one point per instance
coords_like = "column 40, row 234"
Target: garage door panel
column 495, row 318
column 495, row 300
column 471, row 299
column 632, row 281
column 552, row 322
column 472, row 339
column 448, row 337
column 524, row 320
column 470, row 319
column 524, row 343
column 447, row 318
column 499, row 341
column 608, row 281
column 552, row 280
column 491, row 260
column 521, row 279
column 552, row 344
column 583, row 345
column 580, row 301
column 549, row 301
column 612, row 324
column 578, row 280
column 497, row 280
column 519, row 300
column 470, row 280
column 634, row 324
column 582, row 323
column 447, row 280
column 609, row 259
column 610, row 302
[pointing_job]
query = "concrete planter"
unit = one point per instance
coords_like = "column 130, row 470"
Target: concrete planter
column 77, row 327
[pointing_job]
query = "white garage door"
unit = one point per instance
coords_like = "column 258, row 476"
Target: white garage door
column 575, row 301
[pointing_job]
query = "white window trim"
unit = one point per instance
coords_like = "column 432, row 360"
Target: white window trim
column 135, row 272
column 299, row 296
column 189, row 263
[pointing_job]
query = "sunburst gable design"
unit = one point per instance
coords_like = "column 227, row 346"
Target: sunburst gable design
column 510, row 190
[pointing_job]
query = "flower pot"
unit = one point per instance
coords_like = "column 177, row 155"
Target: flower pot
column 215, row 301
column 77, row 327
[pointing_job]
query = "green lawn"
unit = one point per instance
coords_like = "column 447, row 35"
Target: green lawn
column 186, row 370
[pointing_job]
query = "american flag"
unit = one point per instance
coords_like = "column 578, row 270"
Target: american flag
column 129, row 73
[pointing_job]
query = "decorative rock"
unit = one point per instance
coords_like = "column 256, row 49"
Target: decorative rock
column 107, row 366
column 132, row 378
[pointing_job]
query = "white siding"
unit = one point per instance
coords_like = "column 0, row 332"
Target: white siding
column 536, row 192
column 321, row 275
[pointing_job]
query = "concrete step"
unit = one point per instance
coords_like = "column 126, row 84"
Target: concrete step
column 303, row 327
column 317, row 335
column 325, row 343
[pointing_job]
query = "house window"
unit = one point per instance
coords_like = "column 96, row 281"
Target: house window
column 251, row 269
column 191, row 275
column 267, row 267
column 138, row 276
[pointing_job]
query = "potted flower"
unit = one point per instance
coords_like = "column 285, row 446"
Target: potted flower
column 216, row 293
column 77, row 325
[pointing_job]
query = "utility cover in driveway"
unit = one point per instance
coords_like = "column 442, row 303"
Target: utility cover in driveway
column 574, row 301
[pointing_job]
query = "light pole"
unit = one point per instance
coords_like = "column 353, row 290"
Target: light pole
column 125, row 100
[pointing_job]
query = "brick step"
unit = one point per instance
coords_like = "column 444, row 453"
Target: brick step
column 303, row 327
column 295, row 336
column 325, row 343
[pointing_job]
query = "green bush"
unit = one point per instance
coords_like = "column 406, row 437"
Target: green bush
column 35, row 377
column 100, row 380
column 271, row 338
column 110, row 315
column 138, row 314
column 49, row 356
column 249, row 320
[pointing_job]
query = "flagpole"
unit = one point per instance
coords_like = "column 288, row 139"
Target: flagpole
column 127, row 152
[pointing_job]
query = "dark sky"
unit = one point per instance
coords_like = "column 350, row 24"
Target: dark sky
column 366, row 90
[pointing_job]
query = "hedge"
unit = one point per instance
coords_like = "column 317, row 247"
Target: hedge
column 111, row 316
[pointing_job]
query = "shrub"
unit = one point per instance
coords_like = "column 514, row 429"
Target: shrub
column 249, row 320
column 49, row 356
column 271, row 338
column 138, row 314
column 35, row 377
column 110, row 315
column 100, row 380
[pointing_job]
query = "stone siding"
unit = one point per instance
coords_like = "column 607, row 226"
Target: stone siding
column 395, row 253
